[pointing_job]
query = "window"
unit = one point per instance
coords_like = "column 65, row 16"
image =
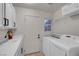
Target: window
column 47, row 25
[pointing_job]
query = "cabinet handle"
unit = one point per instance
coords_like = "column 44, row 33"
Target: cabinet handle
column 4, row 21
column 7, row 22
column 21, row 50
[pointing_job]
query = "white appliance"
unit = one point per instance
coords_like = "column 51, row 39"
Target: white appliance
column 60, row 47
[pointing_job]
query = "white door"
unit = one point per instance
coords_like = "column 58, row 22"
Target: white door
column 8, row 13
column 33, row 27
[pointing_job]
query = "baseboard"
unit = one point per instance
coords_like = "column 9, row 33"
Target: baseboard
column 34, row 53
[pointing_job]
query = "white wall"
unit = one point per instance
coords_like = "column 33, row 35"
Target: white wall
column 21, row 12
column 65, row 25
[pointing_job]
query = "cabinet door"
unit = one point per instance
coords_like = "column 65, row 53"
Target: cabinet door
column 1, row 13
column 13, row 16
column 0, row 10
column 8, row 13
column 46, row 46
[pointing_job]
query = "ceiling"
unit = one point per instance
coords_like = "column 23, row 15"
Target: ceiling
column 49, row 7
